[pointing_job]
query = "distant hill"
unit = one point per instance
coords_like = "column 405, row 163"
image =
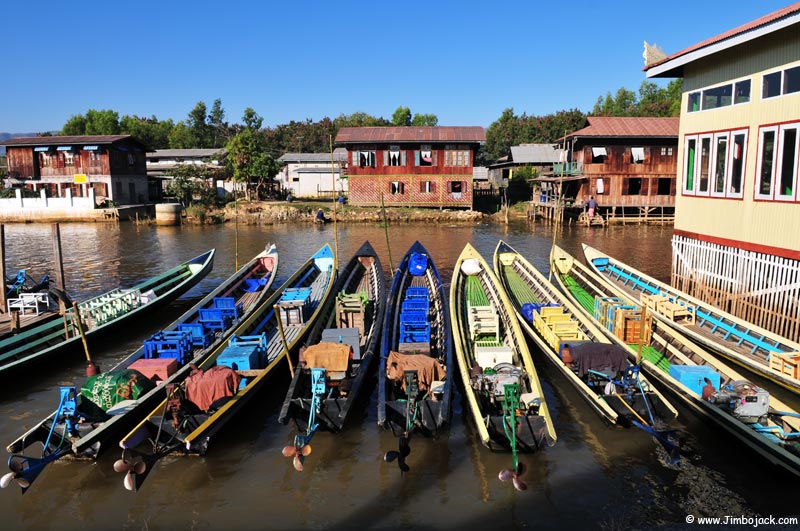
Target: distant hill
column 6, row 136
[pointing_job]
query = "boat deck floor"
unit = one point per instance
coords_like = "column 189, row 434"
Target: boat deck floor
column 25, row 322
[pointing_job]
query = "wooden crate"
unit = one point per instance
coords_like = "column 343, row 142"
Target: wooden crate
column 785, row 363
column 627, row 325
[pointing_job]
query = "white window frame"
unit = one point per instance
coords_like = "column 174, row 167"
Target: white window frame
column 684, row 189
column 760, row 163
column 699, row 159
column 634, row 151
column 714, row 160
column 778, row 167
column 731, row 154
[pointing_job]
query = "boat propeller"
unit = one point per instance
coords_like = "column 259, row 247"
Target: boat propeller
column 132, row 466
column 404, row 449
column 298, row 451
column 16, row 474
column 514, row 476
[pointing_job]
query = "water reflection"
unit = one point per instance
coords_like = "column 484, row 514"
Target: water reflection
column 594, row 477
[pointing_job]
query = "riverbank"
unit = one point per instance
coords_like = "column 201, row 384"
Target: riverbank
column 278, row 212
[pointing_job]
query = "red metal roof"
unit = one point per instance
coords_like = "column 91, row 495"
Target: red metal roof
column 348, row 135
column 744, row 28
column 64, row 140
column 629, row 127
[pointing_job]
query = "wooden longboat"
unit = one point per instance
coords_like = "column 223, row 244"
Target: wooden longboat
column 415, row 373
column 615, row 389
column 80, row 428
column 748, row 345
column 340, row 351
column 499, row 377
column 762, row 422
column 100, row 315
column 187, row 419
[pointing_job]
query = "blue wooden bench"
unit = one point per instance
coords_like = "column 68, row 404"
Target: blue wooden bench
column 214, row 319
column 201, row 336
column 228, row 306
column 163, row 344
column 743, row 335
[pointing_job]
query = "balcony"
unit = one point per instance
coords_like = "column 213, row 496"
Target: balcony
column 568, row 168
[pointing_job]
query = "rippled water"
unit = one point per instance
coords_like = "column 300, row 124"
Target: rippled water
column 594, row 477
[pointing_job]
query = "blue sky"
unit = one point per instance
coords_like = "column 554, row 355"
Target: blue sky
column 465, row 61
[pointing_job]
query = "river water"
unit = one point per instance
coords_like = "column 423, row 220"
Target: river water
column 595, row 477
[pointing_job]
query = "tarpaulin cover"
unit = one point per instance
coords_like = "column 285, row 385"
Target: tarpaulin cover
column 203, row 388
column 332, row 357
column 109, row 388
column 417, row 264
column 428, row 369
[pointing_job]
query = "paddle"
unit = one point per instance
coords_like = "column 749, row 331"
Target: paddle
column 662, row 436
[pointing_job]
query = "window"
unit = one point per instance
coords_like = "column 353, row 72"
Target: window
column 394, row 157
column 787, row 163
column 364, row 159
column 766, row 160
column 772, row 85
column 455, row 187
column 694, row 102
column 69, row 158
column 599, row 155
column 424, row 157
column 717, row 97
column 637, row 155
column 664, row 186
column 720, row 163
column 741, row 92
column 688, row 170
column 427, row 187
column 398, row 188
column 738, row 151
column 666, row 152
column 791, row 80
column 456, row 155
column 705, row 163
column 633, row 186
column 295, row 179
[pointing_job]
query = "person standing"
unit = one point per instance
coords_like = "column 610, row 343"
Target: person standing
column 592, row 206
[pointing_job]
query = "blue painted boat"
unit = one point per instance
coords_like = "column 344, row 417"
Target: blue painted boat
column 416, row 370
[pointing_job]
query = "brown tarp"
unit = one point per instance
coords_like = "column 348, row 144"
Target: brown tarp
column 332, row 357
column 203, row 388
column 428, row 369
column 598, row 356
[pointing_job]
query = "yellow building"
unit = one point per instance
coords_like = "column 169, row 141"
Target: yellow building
column 736, row 241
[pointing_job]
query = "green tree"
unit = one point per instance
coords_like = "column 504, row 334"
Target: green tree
column 196, row 122
column 75, row 126
column 181, row 137
column 150, row 131
column 402, row 116
column 250, row 163
column 216, row 121
column 425, row 120
column 102, row 122
column 359, row 119
column 251, row 119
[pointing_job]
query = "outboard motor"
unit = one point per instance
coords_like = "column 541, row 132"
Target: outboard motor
column 746, row 401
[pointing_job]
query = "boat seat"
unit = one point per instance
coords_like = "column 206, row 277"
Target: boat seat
column 483, row 320
column 214, row 319
column 200, row 335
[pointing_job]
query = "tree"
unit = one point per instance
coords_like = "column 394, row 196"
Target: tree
column 196, row 122
column 251, row 119
column 249, row 161
column 75, row 126
column 154, row 134
column 216, row 120
column 195, row 183
column 425, row 120
column 402, row 116
column 359, row 119
column 104, row 122
column 181, row 137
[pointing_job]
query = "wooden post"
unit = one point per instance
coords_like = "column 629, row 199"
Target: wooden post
column 3, row 302
column 59, row 264
column 277, row 311
column 14, row 320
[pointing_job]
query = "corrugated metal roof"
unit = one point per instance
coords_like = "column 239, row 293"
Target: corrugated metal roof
column 186, row 153
column 734, row 36
column 410, row 134
column 339, row 154
column 64, row 140
column 535, row 153
column 606, row 126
